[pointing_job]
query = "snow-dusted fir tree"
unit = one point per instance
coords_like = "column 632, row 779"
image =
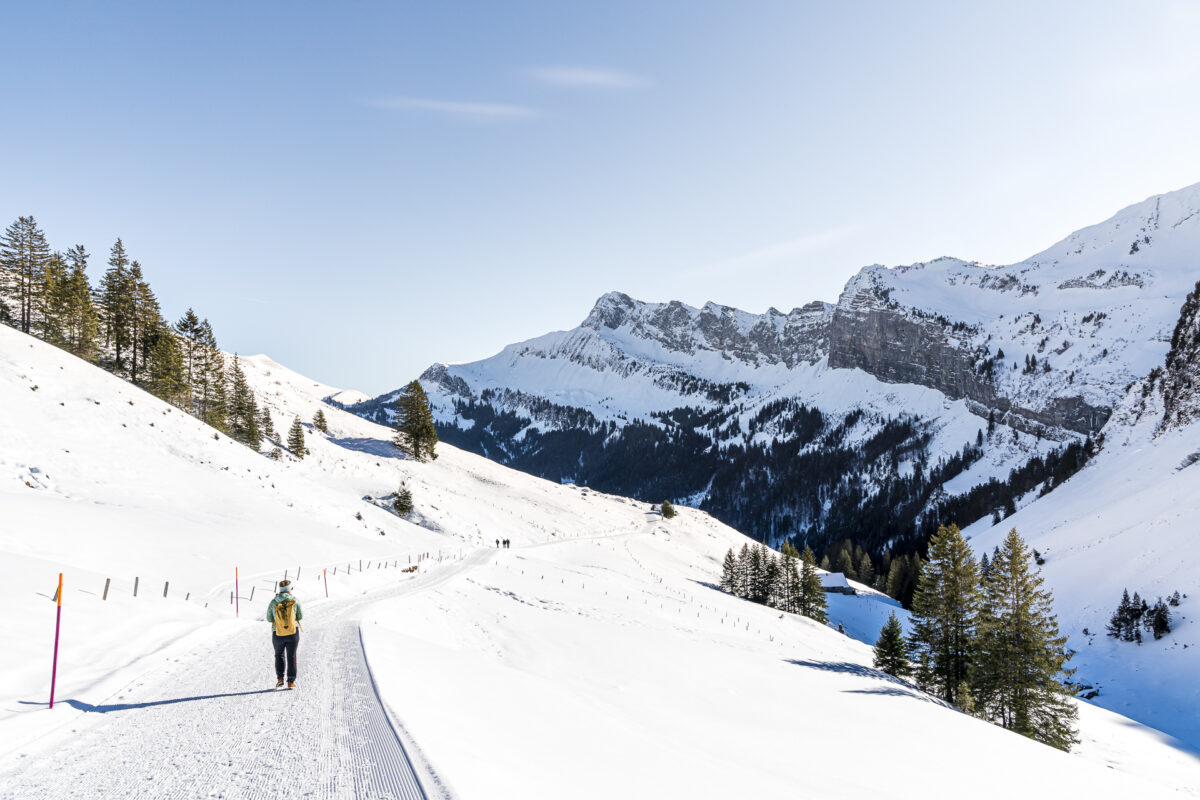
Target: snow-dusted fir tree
column 667, row 509
column 891, row 652
column 415, row 434
column 945, row 615
column 295, row 440
column 1022, row 657
column 319, row 421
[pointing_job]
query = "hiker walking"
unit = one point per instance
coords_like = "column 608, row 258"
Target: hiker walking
column 284, row 614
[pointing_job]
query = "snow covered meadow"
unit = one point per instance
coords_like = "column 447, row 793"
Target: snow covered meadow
column 593, row 659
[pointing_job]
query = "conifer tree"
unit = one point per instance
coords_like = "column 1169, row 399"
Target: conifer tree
column 319, row 421
column 866, row 570
column 789, row 579
column 164, row 376
column 812, row 593
column 241, row 409
column 403, row 502
column 117, row 290
column 191, row 340
column 415, row 433
column 945, row 609
column 729, row 572
column 209, row 393
column 1021, row 653
column 755, row 578
column 81, row 327
column 295, row 439
column 267, row 425
column 24, row 255
column 743, row 572
column 667, row 509
column 891, row 652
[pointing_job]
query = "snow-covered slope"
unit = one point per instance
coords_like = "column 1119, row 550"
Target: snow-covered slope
column 592, row 659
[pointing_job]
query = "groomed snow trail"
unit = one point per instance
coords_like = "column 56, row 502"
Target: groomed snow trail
column 209, row 725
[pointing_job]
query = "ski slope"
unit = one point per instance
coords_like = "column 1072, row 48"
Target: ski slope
column 593, row 659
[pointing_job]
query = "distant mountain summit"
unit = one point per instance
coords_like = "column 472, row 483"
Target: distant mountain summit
column 917, row 395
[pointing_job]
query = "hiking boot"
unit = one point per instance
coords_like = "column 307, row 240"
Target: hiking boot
column 279, row 683
column 291, row 684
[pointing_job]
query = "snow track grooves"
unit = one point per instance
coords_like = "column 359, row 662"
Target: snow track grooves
column 209, row 726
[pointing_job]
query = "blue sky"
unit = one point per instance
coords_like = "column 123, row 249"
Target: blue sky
column 361, row 189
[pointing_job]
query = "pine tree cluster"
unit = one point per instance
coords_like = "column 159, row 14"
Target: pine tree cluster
column 119, row 326
column 789, row 581
column 985, row 638
column 1133, row 615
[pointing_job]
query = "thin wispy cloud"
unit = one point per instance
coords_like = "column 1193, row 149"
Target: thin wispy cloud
column 775, row 254
column 454, row 108
column 586, row 78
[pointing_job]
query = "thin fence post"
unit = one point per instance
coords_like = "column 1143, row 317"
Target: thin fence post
column 107, row 581
column 166, row 585
column 237, row 606
column 251, row 593
column 360, row 565
column 298, row 572
column 57, row 628
column 326, row 579
column 135, row 583
column 187, row 597
column 285, row 574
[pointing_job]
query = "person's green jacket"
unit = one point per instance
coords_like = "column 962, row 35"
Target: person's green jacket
column 279, row 598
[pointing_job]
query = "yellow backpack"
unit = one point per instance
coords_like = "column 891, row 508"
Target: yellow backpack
column 285, row 618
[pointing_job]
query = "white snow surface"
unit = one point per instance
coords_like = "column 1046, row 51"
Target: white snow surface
column 593, row 659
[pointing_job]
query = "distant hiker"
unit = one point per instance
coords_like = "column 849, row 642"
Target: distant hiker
column 506, row 544
column 497, row 544
column 284, row 614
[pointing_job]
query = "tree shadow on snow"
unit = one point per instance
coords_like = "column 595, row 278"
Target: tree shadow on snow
column 79, row 705
column 844, row 667
column 374, row 447
column 894, row 688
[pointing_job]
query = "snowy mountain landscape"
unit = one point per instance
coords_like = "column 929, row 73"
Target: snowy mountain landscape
column 938, row 392
column 593, row 658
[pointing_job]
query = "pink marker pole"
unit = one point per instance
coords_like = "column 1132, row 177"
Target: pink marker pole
column 57, row 628
column 237, row 606
column 326, row 579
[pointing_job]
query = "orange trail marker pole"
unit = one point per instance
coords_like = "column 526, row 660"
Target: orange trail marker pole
column 57, row 628
column 237, row 606
column 326, row 579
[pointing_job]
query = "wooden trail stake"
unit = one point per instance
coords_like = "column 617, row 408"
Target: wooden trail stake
column 57, row 628
column 298, row 573
column 107, row 581
column 326, row 579
column 252, row 594
column 166, row 586
column 135, row 583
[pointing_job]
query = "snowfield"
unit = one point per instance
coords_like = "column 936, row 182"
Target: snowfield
column 593, row 659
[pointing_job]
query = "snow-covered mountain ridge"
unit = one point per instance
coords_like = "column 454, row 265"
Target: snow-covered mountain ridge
column 1044, row 349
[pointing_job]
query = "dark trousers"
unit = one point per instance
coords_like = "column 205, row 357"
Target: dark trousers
column 289, row 645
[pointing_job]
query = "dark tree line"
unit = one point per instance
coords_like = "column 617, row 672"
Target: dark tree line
column 789, row 581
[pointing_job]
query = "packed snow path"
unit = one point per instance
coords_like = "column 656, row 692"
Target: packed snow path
column 209, row 725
